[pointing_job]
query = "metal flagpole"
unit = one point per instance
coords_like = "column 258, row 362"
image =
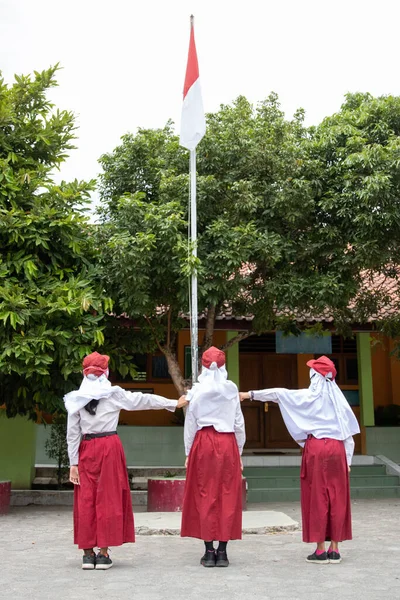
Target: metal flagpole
column 193, row 230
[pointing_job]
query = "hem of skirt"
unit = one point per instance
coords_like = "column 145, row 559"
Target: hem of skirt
column 111, row 544
column 314, row 540
column 214, row 538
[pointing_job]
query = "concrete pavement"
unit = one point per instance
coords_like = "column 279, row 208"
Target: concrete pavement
column 39, row 562
column 254, row 522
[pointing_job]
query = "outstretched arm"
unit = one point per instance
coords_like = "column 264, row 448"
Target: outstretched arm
column 140, row 401
column 269, row 395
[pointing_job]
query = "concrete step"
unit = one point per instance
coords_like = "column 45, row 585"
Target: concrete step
column 295, row 471
column 264, row 482
column 377, row 492
column 257, row 496
column 285, row 460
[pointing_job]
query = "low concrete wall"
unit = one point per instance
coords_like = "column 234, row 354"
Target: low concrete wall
column 60, row 498
column 385, row 441
column 144, row 446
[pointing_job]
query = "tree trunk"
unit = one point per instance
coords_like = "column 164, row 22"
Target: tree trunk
column 238, row 338
column 209, row 332
column 174, row 370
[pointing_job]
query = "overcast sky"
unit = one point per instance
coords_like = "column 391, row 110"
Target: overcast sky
column 124, row 60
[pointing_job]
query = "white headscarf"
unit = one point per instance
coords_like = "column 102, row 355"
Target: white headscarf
column 91, row 388
column 321, row 407
column 213, row 394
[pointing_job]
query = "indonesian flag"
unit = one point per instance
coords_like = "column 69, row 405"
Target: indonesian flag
column 193, row 123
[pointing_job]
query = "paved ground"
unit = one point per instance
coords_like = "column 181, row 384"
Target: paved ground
column 254, row 522
column 39, row 562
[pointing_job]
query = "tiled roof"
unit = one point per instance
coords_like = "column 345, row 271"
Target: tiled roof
column 384, row 289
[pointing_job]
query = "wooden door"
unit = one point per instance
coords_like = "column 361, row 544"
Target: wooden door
column 250, row 373
column 279, row 370
column 259, row 371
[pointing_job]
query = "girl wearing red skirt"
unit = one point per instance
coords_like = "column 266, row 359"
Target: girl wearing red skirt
column 103, row 514
column 321, row 421
column 214, row 439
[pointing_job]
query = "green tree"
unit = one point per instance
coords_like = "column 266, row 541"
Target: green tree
column 291, row 220
column 353, row 168
column 51, row 298
column 244, row 164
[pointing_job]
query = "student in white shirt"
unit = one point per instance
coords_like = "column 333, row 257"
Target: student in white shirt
column 103, row 514
column 320, row 420
column 214, row 438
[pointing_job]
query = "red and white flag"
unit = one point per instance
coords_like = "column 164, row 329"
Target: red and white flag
column 193, row 123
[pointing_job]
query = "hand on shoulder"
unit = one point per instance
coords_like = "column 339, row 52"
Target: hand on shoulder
column 244, row 396
column 182, row 402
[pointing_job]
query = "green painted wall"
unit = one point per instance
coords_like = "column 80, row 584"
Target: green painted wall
column 17, row 451
column 232, row 356
column 144, row 446
column 365, row 379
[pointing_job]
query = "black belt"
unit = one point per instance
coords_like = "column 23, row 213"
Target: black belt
column 90, row 436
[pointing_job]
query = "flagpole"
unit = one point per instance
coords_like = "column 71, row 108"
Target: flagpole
column 193, row 128
column 193, row 231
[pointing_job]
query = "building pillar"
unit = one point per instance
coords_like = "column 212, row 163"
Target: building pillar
column 365, row 379
column 232, row 356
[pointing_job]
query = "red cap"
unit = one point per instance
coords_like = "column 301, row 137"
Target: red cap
column 213, row 355
column 323, row 365
column 95, row 364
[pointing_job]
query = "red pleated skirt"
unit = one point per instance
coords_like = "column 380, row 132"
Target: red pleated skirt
column 212, row 505
column 325, row 491
column 103, row 513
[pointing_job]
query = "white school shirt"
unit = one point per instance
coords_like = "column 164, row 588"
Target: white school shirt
column 214, row 401
column 107, row 414
column 309, row 412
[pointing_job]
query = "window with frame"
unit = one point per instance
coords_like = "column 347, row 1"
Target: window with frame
column 344, row 355
column 140, row 362
column 149, row 367
column 159, row 367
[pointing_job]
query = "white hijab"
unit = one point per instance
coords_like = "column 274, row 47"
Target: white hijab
column 91, row 388
column 320, row 407
column 213, row 387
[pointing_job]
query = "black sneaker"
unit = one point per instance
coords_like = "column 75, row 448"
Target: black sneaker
column 334, row 557
column 221, row 559
column 208, row 560
column 88, row 561
column 103, row 562
column 318, row 559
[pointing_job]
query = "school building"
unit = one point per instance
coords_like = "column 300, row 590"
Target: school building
column 368, row 374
